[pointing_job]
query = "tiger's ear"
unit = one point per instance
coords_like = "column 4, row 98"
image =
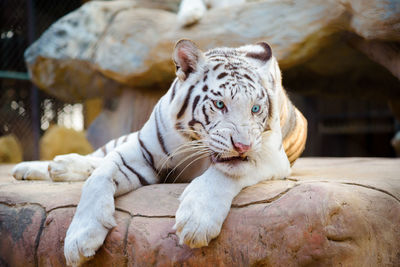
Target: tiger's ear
column 259, row 53
column 187, row 58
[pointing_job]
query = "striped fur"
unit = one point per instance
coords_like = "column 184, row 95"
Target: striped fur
column 225, row 123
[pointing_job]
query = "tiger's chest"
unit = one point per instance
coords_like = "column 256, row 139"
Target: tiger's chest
column 186, row 171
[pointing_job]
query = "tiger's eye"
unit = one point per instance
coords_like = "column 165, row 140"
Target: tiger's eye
column 255, row 108
column 219, row 104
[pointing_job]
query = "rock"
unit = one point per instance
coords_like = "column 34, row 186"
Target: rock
column 329, row 212
column 105, row 46
column 384, row 53
column 10, row 149
column 20, row 228
column 59, row 140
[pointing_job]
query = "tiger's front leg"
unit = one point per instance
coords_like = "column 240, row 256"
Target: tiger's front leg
column 122, row 170
column 205, row 203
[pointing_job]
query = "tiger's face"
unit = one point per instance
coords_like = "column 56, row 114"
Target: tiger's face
column 226, row 105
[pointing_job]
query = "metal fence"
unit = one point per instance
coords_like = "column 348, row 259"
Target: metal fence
column 25, row 111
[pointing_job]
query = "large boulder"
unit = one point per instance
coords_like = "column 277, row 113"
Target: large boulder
column 329, row 212
column 104, row 47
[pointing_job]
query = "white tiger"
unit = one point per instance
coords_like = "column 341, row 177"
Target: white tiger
column 226, row 113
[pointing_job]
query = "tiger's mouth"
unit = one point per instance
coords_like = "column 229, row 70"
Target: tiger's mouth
column 218, row 159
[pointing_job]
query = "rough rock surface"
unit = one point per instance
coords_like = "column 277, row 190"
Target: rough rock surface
column 104, row 46
column 330, row 212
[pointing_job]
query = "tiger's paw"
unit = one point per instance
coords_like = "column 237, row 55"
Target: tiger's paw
column 89, row 228
column 82, row 241
column 199, row 219
column 70, row 167
column 31, row 170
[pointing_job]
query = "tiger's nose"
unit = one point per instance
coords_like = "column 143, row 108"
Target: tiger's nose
column 240, row 147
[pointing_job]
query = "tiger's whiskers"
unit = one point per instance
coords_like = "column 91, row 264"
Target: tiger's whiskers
column 198, row 158
column 203, row 152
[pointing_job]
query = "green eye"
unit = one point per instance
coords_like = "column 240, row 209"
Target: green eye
column 219, row 104
column 255, row 109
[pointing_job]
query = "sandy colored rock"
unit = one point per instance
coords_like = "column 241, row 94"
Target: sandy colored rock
column 329, row 212
column 10, row 149
column 104, row 46
column 59, row 140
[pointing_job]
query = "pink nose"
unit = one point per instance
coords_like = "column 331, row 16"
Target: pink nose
column 241, row 148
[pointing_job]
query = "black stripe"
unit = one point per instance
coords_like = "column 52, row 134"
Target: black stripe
column 223, row 137
column 159, row 136
column 217, row 66
column 195, row 102
column 205, row 115
column 222, row 75
column 212, row 127
column 178, row 126
column 269, row 104
column 265, row 118
column 160, row 116
column 205, row 78
column 140, row 177
column 262, row 93
column 205, row 88
column 216, row 93
column 150, row 159
column 217, row 59
column 193, row 122
column 248, row 77
column 124, row 173
column 185, row 103
column 219, row 142
column 173, row 90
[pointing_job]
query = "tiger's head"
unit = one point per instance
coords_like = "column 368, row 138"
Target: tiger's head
column 223, row 101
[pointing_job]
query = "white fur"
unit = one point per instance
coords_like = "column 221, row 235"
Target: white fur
column 93, row 218
column 73, row 167
column 206, row 201
column 31, row 170
column 64, row 168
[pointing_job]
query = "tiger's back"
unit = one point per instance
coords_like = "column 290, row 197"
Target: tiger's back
column 293, row 127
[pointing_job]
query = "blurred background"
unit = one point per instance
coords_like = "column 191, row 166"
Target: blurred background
column 348, row 95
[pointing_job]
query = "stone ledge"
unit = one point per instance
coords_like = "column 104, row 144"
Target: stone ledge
column 330, row 211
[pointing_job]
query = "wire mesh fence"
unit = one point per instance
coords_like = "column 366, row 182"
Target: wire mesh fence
column 24, row 111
